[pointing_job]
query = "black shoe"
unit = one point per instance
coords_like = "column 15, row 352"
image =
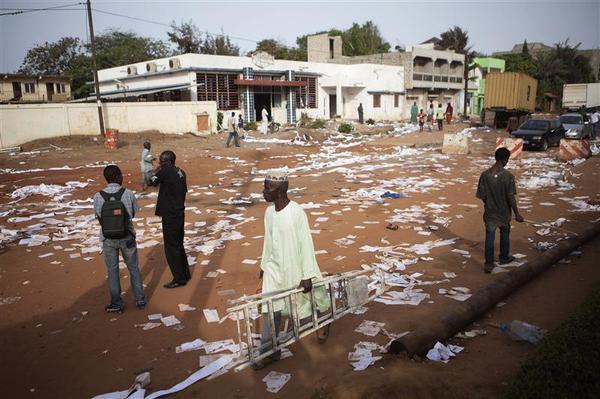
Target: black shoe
column 140, row 305
column 174, row 284
column 507, row 260
column 488, row 267
column 114, row 309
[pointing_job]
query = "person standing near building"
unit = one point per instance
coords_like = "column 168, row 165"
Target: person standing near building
column 240, row 125
column 115, row 207
column 288, row 259
column 361, row 115
column 232, row 129
column 449, row 112
column 414, row 111
column 422, row 117
column 497, row 190
column 430, row 116
column 264, row 123
column 439, row 116
column 171, row 207
column 146, row 164
column 594, row 119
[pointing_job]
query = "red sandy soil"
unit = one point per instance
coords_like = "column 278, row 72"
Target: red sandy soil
column 50, row 350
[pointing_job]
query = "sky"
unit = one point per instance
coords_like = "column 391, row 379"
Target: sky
column 492, row 25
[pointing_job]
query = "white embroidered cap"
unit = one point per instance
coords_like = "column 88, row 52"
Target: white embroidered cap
column 277, row 175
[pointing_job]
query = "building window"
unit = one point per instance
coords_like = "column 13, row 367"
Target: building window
column 528, row 92
column 276, row 97
column 62, row 87
column 376, row 100
column 306, row 96
column 218, row 87
column 331, row 45
column 58, row 88
column 396, row 100
column 30, row 88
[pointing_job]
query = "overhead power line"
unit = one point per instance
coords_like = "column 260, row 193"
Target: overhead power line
column 18, row 11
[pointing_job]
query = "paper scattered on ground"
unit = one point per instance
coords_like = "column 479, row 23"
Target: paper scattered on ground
column 362, row 356
column 275, row 381
column 211, row 315
column 443, row 353
column 186, row 308
column 169, row 321
column 369, row 328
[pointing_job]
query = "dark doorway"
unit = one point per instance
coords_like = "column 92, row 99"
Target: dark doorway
column 50, row 90
column 17, row 90
column 259, row 101
column 332, row 106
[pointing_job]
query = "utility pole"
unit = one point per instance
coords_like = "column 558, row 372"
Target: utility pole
column 94, row 67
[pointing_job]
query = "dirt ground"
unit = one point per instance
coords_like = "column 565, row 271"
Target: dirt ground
column 56, row 341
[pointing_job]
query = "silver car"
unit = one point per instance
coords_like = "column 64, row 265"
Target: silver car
column 576, row 126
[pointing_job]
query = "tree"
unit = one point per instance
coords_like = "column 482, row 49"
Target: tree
column 52, row 58
column 363, row 40
column 279, row 50
column 519, row 63
column 525, row 49
column 457, row 39
column 115, row 47
column 186, row 37
column 219, row 45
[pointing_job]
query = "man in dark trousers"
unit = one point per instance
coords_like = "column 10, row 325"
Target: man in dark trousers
column 171, row 207
column 360, row 113
column 497, row 190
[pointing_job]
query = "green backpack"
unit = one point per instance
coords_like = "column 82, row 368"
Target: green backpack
column 113, row 216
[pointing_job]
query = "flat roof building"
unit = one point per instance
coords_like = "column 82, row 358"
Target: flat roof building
column 23, row 88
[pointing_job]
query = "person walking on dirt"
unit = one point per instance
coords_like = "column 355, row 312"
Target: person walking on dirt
column 115, row 207
column 414, row 110
column 422, row 117
column 361, row 115
column 171, row 207
column 497, row 190
column 449, row 112
column 146, row 164
column 233, row 130
column 240, row 125
column 288, row 259
column 264, row 123
column 439, row 116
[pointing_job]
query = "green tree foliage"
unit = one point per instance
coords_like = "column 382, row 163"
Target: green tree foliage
column 51, row 58
column 553, row 68
column 218, row 44
column 363, row 40
column 186, row 37
column 525, row 49
column 70, row 57
column 357, row 40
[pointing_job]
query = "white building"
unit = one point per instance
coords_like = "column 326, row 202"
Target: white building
column 245, row 84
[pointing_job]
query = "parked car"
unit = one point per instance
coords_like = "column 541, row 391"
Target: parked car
column 540, row 133
column 576, row 126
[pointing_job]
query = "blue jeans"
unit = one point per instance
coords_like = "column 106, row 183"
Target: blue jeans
column 128, row 248
column 490, row 237
column 594, row 130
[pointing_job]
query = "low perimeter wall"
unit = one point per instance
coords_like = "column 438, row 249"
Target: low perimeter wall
column 22, row 123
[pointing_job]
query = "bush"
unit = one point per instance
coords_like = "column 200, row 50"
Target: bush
column 370, row 121
column 304, row 120
column 220, row 120
column 318, row 124
column 566, row 364
column 250, row 126
column 345, row 127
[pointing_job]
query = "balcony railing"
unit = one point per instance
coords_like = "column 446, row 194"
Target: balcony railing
column 437, row 78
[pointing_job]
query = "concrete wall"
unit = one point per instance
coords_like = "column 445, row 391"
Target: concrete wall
column 22, row 123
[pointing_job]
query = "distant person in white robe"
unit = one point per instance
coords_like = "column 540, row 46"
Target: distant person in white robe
column 288, row 261
column 264, row 124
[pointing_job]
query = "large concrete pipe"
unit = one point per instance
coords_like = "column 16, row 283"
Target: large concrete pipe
column 464, row 313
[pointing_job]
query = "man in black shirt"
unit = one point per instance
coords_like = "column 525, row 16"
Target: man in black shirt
column 171, row 207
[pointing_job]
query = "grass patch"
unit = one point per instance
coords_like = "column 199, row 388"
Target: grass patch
column 567, row 364
column 345, row 128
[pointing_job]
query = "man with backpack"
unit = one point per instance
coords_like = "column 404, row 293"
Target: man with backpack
column 114, row 208
column 170, row 206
